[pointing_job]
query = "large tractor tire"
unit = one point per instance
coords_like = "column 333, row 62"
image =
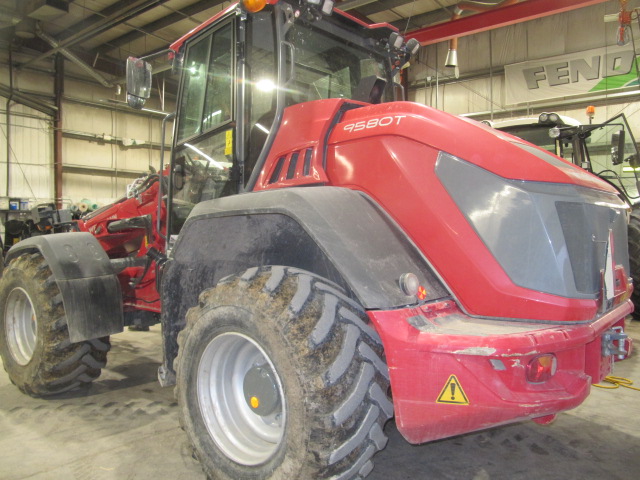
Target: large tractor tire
column 280, row 376
column 34, row 339
column 634, row 260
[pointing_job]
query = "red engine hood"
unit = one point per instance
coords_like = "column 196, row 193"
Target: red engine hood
column 491, row 149
column 390, row 151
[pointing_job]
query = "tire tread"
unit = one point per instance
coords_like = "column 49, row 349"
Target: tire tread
column 342, row 353
column 59, row 365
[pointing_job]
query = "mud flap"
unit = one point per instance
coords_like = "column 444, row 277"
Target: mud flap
column 90, row 290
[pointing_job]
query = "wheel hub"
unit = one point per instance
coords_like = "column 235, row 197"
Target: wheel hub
column 20, row 326
column 261, row 391
column 241, row 398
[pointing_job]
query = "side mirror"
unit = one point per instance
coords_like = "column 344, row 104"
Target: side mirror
column 617, row 147
column 370, row 89
column 138, row 82
column 178, row 177
column 399, row 91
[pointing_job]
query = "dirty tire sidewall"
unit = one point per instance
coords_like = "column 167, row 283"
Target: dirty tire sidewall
column 634, row 260
column 213, row 323
column 329, row 361
column 56, row 365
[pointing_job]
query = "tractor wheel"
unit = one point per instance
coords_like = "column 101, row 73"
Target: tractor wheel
column 34, row 339
column 280, row 376
column 634, row 260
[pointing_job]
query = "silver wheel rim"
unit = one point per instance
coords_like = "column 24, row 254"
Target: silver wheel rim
column 20, row 325
column 244, row 436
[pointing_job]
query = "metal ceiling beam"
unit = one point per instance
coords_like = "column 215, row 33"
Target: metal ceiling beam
column 424, row 19
column 95, row 18
column 367, row 7
column 500, row 17
column 128, row 12
column 28, row 100
column 74, row 58
column 351, row 4
column 104, row 64
column 163, row 22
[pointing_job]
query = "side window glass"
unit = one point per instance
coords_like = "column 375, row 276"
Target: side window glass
column 203, row 157
column 194, row 87
column 261, row 61
column 207, row 85
column 329, row 67
column 217, row 106
column 202, row 171
column 207, row 167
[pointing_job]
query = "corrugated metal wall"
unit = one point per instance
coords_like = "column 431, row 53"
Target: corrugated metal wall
column 105, row 145
column 480, row 88
column 26, row 161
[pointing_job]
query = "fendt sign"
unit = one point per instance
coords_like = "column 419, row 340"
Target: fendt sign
column 591, row 71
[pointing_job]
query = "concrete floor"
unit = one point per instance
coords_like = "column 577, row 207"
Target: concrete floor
column 125, row 427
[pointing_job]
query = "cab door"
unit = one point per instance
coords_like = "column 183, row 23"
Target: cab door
column 204, row 158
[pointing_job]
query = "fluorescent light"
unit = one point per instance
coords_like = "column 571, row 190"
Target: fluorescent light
column 265, row 85
column 207, row 157
column 264, row 129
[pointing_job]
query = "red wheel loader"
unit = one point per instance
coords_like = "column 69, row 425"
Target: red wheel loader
column 322, row 256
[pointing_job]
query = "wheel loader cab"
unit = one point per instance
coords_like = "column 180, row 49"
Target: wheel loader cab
column 237, row 77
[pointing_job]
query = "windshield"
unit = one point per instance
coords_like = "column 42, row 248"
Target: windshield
column 328, row 66
column 536, row 134
column 600, row 145
column 322, row 60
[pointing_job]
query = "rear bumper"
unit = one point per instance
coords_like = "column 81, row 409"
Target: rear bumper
column 452, row 374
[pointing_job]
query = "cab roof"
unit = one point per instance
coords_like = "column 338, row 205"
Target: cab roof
column 379, row 30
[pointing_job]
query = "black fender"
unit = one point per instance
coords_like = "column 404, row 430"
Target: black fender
column 337, row 233
column 90, row 290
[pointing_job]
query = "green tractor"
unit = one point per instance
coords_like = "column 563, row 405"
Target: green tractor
column 606, row 149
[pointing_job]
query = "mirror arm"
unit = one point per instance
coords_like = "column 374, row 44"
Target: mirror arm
column 157, row 54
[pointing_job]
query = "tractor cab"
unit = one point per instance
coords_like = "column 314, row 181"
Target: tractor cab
column 241, row 70
column 607, row 149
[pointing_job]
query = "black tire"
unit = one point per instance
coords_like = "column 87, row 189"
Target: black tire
column 324, row 359
column 634, row 260
column 34, row 339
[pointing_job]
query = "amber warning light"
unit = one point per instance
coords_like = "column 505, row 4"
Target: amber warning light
column 254, row 6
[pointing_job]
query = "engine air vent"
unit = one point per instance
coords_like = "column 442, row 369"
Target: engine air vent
column 290, row 163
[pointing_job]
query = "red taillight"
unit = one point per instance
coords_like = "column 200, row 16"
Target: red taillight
column 541, row 368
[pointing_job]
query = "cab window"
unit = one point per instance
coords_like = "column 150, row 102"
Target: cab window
column 203, row 157
column 207, row 84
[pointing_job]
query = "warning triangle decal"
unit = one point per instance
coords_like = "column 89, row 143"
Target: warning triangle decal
column 452, row 393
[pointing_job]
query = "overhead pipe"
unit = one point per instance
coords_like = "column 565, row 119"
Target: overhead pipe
column 121, row 16
column 496, row 18
column 9, row 17
column 472, row 6
column 72, row 56
column 163, row 22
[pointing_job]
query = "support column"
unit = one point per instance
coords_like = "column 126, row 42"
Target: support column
column 57, row 132
column 8, row 119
